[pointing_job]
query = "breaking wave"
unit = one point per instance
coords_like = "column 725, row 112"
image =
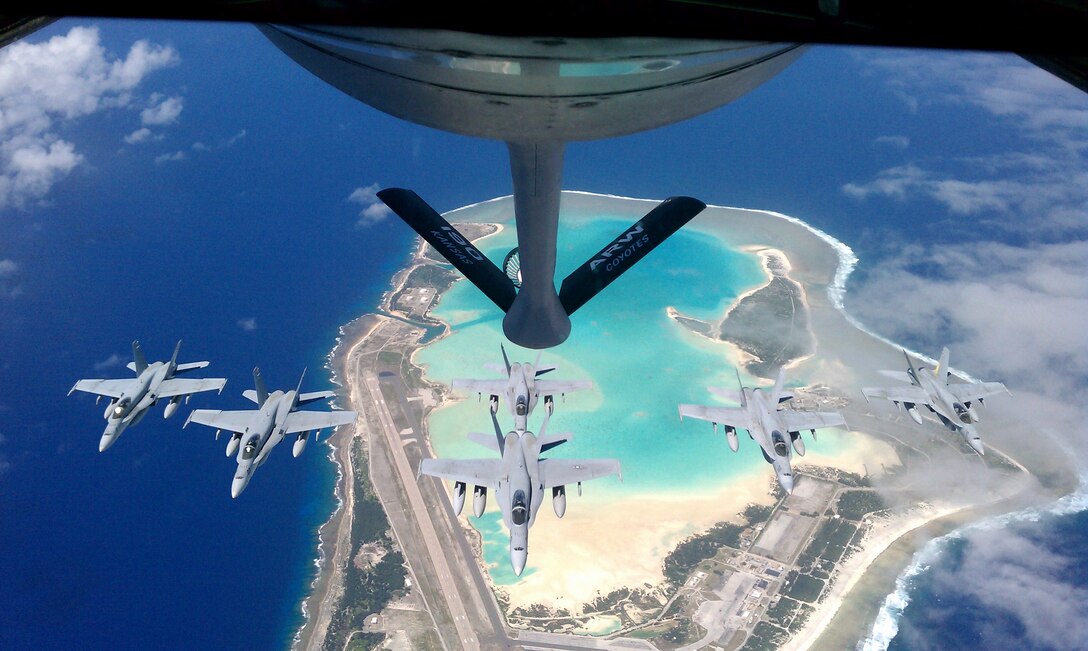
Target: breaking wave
column 886, row 626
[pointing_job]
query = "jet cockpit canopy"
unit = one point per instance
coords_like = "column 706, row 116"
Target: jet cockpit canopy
column 519, row 513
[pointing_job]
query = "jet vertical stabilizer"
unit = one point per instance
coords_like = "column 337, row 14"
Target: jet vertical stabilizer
column 942, row 364
column 779, row 385
column 139, row 362
column 259, row 386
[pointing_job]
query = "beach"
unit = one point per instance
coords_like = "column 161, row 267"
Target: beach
column 617, row 534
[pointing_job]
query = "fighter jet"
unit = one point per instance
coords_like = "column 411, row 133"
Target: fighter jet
column 768, row 424
column 536, row 95
column 520, row 479
column 130, row 399
column 263, row 428
column 521, row 389
column 950, row 402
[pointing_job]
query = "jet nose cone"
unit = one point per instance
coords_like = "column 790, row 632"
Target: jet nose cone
column 976, row 445
column 107, row 440
column 237, row 486
column 517, row 560
column 787, row 484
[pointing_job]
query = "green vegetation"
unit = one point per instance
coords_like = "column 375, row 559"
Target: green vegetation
column 365, row 591
column 765, row 637
column 682, row 633
column 607, row 602
column 696, row 549
column 805, row 588
column 854, row 505
column 831, row 540
column 803, row 613
column 853, row 479
column 389, row 359
column 755, row 513
column 772, row 324
column 783, row 612
column 430, row 275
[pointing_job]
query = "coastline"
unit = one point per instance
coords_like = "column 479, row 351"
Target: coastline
column 327, row 587
column 836, row 615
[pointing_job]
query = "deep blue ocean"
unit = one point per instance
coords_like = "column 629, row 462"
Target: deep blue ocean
column 141, row 546
column 1015, row 581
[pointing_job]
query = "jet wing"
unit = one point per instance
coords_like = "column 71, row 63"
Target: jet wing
column 475, row 472
column 558, row 472
column 183, row 387
column 108, row 388
column 232, row 421
column 301, row 421
column 974, row 391
column 795, row 421
column 548, row 387
column 732, row 416
column 902, row 376
column 481, row 386
column 914, row 394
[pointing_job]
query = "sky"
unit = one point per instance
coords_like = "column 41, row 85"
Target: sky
column 195, row 168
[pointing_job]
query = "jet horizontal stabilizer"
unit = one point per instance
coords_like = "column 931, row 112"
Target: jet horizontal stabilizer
column 732, row 395
column 902, row 376
column 486, row 440
column 551, row 441
column 307, row 398
column 622, row 253
column 190, row 366
column 451, row 245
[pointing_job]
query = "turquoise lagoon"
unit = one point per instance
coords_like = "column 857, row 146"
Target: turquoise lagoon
column 642, row 363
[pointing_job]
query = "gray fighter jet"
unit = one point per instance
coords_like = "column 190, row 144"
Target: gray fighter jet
column 952, row 403
column 520, row 479
column 521, row 390
column 768, row 424
column 130, row 399
column 257, row 431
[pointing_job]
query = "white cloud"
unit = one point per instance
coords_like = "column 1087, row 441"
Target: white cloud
column 229, row 142
column 373, row 214
column 1014, row 312
column 112, row 361
column 223, row 144
column 138, row 135
column 1021, row 576
column 161, row 113
column 67, row 77
column 8, row 268
column 170, row 158
column 249, row 324
column 374, row 211
column 895, row 142
column 1038, row 185
column 1003, row 85
column 365, row 196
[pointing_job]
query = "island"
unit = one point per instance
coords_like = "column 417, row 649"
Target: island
column 724, row 561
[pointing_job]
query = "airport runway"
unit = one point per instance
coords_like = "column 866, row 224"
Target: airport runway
column 466, row 635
